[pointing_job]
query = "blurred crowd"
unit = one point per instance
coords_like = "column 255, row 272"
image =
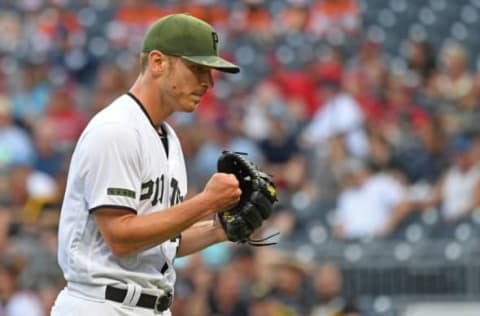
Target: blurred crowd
column 357, row 139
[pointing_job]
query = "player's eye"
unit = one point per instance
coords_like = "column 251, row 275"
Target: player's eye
column 199, row 69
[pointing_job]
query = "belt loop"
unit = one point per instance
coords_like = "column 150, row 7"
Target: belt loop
column 136, row 294
column 133, row 294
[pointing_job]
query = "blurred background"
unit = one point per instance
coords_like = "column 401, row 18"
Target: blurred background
column 365, row 111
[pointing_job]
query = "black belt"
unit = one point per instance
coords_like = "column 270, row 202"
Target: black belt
column 157, row 303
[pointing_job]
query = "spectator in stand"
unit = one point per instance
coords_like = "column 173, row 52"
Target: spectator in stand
column 30, row 278
column 132, row 18
column 16, row 195
column 38, row 245
column 15, row 301
column 329, row 66
column 15, row 144
column 397, row 110
column 422, row 74
column 286, row 222
column 214, row 140
column 335, row 17
column 5, row 219
column 225, row 298
column 290, row 286
column 41, row 189
column 268, row 305
column 421, row 61
column 329, row 297
column 253, row 18
column 429, row 97
column 239, row 140
column 213, row 12
column 423, row 158
column 298, row 89
column 457, row 193
column 325, row 171
column 243, row 261
column 372, row 203
column 365, row 78
column 49, row 157
column 192, row 290
column 30, row 94
column 65, row 117
column 69, row 59
column 458, row 94
column 265, row 98
column 293, row 19
column 25, row 190
column 42, row 23
column 283, row 157
column 47, row 294
column 339, row 113
column 380, row 150
column 455, row 81
column 111, row 81
column 55, row 20
column 10, row 38
column 223, row 134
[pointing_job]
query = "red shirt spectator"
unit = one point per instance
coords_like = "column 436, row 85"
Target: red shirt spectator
column 298, row 85
column 68, row 120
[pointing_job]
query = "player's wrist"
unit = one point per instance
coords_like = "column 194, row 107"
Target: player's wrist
column 203, row 203
column 220, row 235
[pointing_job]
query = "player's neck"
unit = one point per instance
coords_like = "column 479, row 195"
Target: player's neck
column 148, row 96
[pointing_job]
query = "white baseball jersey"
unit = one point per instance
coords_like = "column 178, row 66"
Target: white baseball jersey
column 120, row 162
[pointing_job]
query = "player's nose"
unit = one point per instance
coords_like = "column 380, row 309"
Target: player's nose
column 206, row 79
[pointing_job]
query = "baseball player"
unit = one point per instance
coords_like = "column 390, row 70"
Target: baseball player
column 124, row 218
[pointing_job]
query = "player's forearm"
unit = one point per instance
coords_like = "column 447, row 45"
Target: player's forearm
column 131, row 233
column 200, row 236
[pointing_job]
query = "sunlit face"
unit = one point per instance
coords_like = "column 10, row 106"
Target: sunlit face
column 186, row 83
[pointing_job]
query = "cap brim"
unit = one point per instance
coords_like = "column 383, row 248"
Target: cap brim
column 214, row 62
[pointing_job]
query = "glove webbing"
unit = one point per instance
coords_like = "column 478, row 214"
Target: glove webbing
column 256, row 242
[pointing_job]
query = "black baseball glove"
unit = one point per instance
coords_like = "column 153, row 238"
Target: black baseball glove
column 256, row 202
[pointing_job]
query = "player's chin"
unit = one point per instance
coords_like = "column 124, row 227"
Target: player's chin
column 191, row 107
column 187, row 106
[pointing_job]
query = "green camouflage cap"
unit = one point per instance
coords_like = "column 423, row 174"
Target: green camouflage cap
column 188, row 37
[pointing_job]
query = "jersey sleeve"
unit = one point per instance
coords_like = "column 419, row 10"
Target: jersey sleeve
column 110, row 159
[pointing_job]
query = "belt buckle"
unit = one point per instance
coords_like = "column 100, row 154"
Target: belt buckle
column 163, row 302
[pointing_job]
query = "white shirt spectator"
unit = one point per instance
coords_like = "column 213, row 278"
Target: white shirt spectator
column 458, row 190
column 24, row 303
column 341, row 115
column 364, row 211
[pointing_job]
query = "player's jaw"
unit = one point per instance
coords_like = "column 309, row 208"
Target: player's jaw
column 189, row 101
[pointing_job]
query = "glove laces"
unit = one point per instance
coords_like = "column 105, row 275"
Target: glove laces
column 260, row 242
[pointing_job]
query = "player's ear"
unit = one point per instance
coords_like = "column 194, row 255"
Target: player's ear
column 157, row 62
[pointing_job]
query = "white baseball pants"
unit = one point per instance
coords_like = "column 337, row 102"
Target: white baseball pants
column 72, row 303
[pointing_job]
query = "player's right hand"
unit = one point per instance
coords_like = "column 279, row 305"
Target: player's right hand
column 223, row 191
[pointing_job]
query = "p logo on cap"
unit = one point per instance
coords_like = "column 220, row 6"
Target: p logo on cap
column 188, row 37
